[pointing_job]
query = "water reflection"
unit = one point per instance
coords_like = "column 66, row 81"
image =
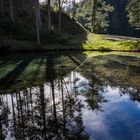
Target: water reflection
column 70, row 97
column 43, row 112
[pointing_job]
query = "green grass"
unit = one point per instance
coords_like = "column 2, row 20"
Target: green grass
column 117, row 53
column 21, row 36
column 92, row 42
column 103, row 43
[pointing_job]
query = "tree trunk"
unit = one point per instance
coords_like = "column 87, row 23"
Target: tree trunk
column 42, row 99
column 59, row 16
column 49, row 15
column 11, row 10
column 73, row 9
column 69, row 7
column 39, row 15
column 94, row 8
column 23, row 4
column 37, row 21
column 2, row 9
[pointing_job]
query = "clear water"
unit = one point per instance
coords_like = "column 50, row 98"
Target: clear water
column 70, row 96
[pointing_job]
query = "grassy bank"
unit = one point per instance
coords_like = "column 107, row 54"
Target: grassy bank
column 111, row 43
column 93, row 42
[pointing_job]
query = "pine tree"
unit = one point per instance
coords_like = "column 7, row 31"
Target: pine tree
column 11, row 10
column 133, row 9
column 37, row 21
column 49, row 15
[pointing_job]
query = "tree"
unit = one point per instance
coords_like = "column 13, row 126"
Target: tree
column 37, row 21
column 39, row 16
column 94, row 9
column 73, row 8
column 11, row 10
column 2, row 8
column 59, row 3
column 133, row 9
column 49, row 15
column 94, row 15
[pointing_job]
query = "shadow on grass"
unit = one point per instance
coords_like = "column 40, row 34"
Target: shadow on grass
column 12, row 76
column 72, row 37
column 104, row 49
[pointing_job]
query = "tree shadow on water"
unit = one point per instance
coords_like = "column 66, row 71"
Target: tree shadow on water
column 30, row 70
column 13, row 75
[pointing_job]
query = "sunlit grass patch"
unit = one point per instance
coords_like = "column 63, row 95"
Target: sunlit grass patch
column 103, row 43
column 90, row 42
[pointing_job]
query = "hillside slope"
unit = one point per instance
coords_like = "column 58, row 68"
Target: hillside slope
column 21, row 36
column 22, row 33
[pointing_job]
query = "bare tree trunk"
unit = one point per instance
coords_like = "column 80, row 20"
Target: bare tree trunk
column 18, row 116
column 94, row 8
column 2, row 9
column 63, row 106
column 39, row 16
column 21, row 112
column 42, row 99
column 73, row 12
column 69, row 7
column 23, row 4
column 37, row 21
column 53, row 97
column 49, row 15
column 14, row 115
column 59, row 3
column 11, row 10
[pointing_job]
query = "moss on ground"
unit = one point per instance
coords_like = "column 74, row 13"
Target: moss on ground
column 93, row 42
column 104, row 43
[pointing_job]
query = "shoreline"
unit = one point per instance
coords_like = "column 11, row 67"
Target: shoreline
column 64, row 50
column 93, row 42
column 59, row 49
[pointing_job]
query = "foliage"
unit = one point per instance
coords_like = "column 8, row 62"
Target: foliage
column 83, row 14
column 133, row 8
column 93, row 42
column 69, row 21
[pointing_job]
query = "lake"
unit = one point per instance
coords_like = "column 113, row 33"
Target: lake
column 70, row 96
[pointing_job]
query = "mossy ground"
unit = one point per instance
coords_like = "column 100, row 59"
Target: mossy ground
column 92, row 42
column 111, row 43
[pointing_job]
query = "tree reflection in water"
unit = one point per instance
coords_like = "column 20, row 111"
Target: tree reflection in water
column 53, row 108
column 47, row 111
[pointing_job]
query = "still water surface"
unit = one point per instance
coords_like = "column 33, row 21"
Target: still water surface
column 70, row 96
